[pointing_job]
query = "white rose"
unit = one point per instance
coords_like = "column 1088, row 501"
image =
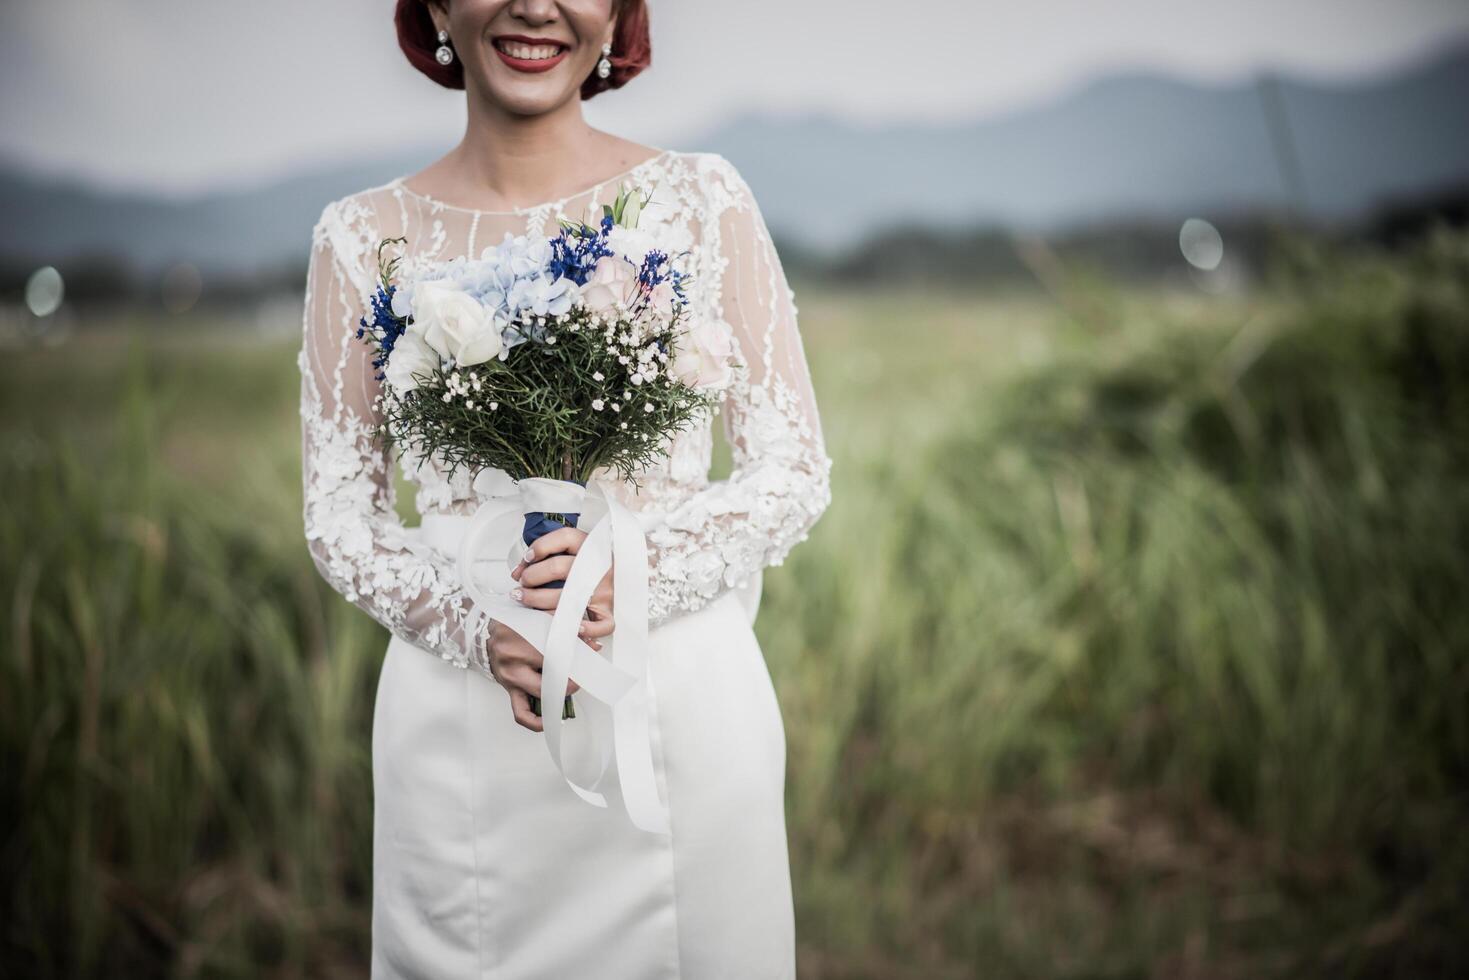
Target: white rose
column 611, row 285
column 455, row 324
column 705, row 355
column 403, row 302
column 633, row 244
column 411, row 355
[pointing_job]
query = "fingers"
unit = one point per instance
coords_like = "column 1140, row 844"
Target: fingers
column 556, row 568
column 516, row 664
column 591, row 628
column 527, row 682
column 526, row 592
column 520, row 707
column 583, row 631
column 551, row 569
column 563, row 539
column 530, row 682
column 521, row 677
column 536, row 598
column 548, row 559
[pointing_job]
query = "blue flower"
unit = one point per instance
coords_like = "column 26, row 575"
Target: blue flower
column 575, row 252
column 384, row 328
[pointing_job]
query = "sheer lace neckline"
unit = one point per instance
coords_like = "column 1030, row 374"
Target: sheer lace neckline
column 400, row 182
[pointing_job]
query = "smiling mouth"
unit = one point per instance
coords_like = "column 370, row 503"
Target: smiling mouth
column 530, row 54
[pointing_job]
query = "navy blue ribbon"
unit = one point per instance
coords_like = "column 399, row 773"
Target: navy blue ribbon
column 538, row 524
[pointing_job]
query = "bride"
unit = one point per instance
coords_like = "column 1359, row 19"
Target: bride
column 485, row 863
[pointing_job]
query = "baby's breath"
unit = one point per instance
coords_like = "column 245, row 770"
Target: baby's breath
column 553, row 408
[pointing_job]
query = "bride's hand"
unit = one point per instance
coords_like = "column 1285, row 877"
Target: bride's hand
column 549, row 560
column 516, row 664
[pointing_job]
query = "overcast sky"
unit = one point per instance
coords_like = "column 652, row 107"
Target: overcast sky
column 187, row 95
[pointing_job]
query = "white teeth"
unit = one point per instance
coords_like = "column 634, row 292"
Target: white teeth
column 529, row 52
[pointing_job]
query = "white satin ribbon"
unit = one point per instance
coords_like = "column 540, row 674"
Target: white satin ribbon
column 614, row 532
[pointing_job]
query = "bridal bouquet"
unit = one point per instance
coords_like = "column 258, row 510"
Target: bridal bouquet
column 545, row 357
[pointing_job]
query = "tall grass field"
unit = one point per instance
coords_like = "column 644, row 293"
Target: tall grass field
column 1135, row 642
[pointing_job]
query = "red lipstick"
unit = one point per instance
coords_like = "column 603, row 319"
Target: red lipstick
column 528, row 64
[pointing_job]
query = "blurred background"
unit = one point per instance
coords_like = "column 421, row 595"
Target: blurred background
column 1133, row 643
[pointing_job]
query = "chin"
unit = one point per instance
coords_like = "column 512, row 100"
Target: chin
column 528, row 95
column 528, row 100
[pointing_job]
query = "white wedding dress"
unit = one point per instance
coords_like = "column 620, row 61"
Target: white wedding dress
column 485, row 863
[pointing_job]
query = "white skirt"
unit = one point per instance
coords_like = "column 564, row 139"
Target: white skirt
column 486, row 863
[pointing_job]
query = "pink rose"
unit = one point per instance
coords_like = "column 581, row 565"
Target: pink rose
column 661, row 300
column 705, row 355
column 612, row 284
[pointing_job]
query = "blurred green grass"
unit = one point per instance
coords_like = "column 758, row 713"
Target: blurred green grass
column 1132, row 644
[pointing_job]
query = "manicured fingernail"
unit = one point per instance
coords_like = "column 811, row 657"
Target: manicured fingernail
column 530, row 556
column 516, row 594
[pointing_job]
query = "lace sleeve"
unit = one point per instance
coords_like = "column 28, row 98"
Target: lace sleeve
column 353, row 532
column 780, row 483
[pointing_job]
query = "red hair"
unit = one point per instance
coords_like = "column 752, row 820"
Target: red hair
column 632, row 48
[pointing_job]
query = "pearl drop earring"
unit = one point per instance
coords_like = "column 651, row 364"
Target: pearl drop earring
column 445, row 54
column 604, row 67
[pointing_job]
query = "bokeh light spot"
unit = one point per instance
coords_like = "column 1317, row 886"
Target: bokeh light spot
column 1201, row 244
column 45, row 291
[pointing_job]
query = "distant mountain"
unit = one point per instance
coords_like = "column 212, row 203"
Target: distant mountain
column 240, row 232
column 1130, row 146
column 1127, row 146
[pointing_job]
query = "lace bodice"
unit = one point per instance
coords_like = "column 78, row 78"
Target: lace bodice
column 704, row 537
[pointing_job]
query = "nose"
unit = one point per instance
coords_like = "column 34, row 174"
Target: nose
column 534, row 11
